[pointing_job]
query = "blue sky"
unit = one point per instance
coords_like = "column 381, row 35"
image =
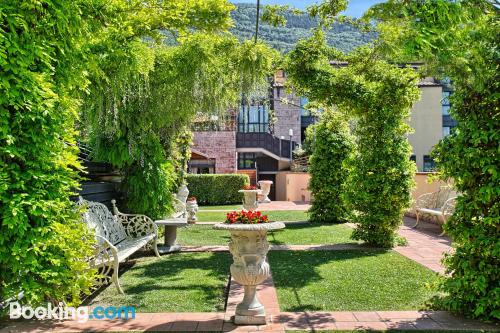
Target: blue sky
column 356, row 7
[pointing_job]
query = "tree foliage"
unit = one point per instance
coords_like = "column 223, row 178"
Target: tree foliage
column 379, row 97
column 460, row 40
column 332, row 146
column 105, row 60
column 136, row 117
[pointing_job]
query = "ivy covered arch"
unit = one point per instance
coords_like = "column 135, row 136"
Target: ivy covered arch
column 378, row 97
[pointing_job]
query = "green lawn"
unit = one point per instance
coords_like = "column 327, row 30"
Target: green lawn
column 225, row 207
column 358, row 280
column 206, row 216
column 181, row 282
column 293, row 234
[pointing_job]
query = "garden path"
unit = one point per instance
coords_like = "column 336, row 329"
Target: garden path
column 424, row 247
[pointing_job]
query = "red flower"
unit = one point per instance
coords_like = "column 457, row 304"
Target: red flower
column 246, row 217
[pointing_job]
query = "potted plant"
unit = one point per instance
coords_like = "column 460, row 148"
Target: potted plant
column 250, row 193
column 191, row 209
column 249, row 247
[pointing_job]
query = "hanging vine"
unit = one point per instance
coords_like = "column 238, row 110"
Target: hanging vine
column 134, row 118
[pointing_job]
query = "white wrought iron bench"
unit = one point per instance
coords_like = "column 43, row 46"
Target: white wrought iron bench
column 440, row 204
column 117, row 238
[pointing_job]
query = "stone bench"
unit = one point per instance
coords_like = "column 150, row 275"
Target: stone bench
column 440, row 204
column 117, row 237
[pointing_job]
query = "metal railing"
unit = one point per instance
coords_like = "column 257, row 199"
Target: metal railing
column 265, row 141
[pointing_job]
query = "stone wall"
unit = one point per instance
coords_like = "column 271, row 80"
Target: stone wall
column 288, row 116
column 220, row 146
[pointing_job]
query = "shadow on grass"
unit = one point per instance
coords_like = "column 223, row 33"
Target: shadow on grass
column 190, row 279
column 296, row 269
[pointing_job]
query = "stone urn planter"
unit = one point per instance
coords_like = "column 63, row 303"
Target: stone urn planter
column 265, row 186
column 191, row 209
column 249, row 247
column 250, row 201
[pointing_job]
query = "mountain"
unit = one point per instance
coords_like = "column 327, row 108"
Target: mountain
column 342, row 36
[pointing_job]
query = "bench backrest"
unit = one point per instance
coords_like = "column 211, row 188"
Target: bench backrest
column 99, row 218
column 442, row 195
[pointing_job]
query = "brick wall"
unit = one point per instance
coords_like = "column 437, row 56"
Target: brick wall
column 220, row 146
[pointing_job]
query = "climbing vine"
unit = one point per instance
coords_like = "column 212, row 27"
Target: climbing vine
column 332, row 145
column 135, row 122
column 378, row 96
column 43, row 245
column 107, row 62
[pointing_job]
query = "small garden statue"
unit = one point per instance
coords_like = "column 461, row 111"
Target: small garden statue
column 249, row 247
column 191, row 209
column 183, row 193
column 250, row 201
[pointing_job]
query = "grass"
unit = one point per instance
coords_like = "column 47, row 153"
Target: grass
column 358, row 280
column 181, row 282
column 206, row 216
column 224, row 207
column 293, row 234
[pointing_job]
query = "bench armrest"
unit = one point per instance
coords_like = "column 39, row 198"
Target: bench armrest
column 448, row 207
column 137, row 225
column 104, row 252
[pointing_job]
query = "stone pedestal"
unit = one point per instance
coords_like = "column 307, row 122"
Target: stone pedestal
column 249, row 247
column 265, row 186
column 250, row 201
column 170, row 245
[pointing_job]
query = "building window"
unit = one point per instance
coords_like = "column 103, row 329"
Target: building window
column 429, row 164
column 246, row 161
column 413, row 158
column 446, row 131
column 303, row 111
column 445, row 103
column 253, row 118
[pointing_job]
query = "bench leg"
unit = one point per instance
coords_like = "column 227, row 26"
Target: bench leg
column 115, row 277
column 155, row 246
column 418, row 219
column 442, row 225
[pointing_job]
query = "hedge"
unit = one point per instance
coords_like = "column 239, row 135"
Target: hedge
column 217, row 189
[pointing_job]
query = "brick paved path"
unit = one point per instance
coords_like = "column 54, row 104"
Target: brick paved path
column 424, row 246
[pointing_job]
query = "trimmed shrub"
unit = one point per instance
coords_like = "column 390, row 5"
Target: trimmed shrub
column 332, row 146
column 217, row 189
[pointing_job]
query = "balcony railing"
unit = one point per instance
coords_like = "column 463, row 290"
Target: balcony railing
column 265, row 141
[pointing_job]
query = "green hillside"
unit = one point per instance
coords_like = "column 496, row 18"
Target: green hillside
column 341, row 36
